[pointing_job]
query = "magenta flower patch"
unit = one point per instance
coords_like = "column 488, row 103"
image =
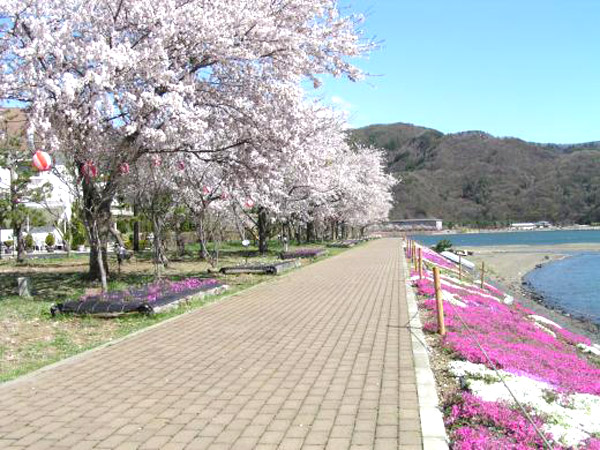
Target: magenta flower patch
column 523, row 345
column 490, row 425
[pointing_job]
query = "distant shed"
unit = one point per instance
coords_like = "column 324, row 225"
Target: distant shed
column 523, row 226
column 530, row 225
column 415, row 224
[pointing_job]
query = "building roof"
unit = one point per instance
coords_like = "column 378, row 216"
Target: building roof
column 46, row 229
column 415, row 220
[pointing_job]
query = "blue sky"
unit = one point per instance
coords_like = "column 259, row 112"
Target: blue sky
column 528, row 68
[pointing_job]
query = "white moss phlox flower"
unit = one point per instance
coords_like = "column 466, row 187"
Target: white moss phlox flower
column 572, row 418
column 594, row 349
column 453, row 299
column 544, row 329
column 544, row 320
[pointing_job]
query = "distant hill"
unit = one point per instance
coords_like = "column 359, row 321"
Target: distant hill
column 472, row 177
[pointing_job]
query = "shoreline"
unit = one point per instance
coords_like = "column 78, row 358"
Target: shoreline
column 510, row 264
column 509, row 230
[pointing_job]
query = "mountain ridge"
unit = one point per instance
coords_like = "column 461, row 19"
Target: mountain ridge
column 475, row 177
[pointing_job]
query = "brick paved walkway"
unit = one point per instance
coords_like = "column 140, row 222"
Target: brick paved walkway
column 316, row 359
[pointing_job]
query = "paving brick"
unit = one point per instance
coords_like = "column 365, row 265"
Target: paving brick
column 314, row 359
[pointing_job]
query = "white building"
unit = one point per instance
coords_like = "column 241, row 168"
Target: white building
column 6, row 235
column 523, row 226
column 415, row 224
column 60, row 199
column 39, row 235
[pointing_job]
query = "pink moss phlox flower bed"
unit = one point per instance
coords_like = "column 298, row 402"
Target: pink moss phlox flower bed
column 494, row 290
column 436, row 259
column 512, row 342
column 490, row 425
column 516, row 343
column 303, row 253
column 161, row 289
column 191, row 284
column 157, row 290
column 592, row 444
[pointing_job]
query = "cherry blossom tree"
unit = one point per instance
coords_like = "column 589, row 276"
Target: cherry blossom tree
column 201, row 187
column 154, row 194
column 363, row 189
column 350, row 188
column 107, row 82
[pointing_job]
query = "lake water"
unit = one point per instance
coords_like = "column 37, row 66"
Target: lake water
column 571, row 284
column 514, row 238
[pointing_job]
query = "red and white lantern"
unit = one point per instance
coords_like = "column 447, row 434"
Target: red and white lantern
column 124, row 168
column 90, row 170
column 42, row 161
column 249, row 203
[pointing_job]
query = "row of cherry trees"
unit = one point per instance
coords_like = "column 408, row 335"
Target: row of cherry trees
column 194, row 103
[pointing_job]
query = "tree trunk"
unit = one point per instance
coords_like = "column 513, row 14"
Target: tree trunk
column 180, row 241
column 97, row 219
column 98, row 257
column 67, row 247
column 263, row 231
column 160, row 258
column 20, row 243
column 310, row 231
column 117, row 234
column 66, row 238
column 136, row 229
column 201, row 232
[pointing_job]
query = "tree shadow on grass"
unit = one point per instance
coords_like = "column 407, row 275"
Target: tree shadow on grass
column 46, row 285
column 53, row 281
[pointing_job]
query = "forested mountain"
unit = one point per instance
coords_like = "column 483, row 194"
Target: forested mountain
column 472, row 177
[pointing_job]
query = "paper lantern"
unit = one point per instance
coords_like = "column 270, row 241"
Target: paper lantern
column 42, row 161
column 249, row 203
column 90, row 170
column 124, row 168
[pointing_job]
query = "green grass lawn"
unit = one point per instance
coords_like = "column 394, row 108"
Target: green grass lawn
column 31, row 338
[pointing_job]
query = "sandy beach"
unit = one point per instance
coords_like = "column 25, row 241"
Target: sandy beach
column 508, row 264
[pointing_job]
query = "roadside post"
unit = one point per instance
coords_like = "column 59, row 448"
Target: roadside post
column 438, row 301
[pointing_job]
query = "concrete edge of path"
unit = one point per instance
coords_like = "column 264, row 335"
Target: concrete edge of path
column 84, row 354
column 432, row 420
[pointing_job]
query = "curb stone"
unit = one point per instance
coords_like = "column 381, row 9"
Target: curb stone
column 432, row 422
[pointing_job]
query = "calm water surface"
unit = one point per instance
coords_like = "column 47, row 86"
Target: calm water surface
column 572, row 284
column 515, row 238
